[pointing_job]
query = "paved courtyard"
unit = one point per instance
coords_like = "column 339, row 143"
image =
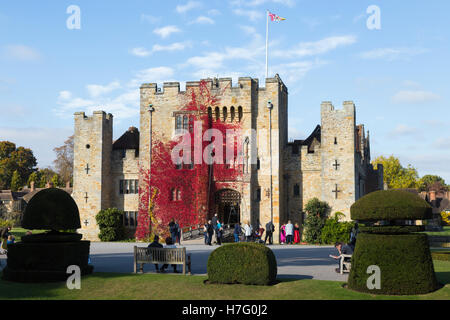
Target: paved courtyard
column 299, row 262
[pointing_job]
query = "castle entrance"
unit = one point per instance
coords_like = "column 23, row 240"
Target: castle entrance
column 228, row 206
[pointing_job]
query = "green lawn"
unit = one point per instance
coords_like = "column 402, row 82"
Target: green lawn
column 19, row 232
column 166, row 287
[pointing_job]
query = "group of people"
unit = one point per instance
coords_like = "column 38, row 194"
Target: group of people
column 290, row 233
column 7, row 238
column 211, row 228
column 169, row 244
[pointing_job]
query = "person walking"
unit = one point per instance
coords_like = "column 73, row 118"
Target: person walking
column 214, row 224
column 205, row 232
column 289, row 232
column 219, row 233
column 247, row 231
column 270, row 228
column 237, row 232
column 283, row 234
column 210, row 232
column 296, row 233
column 173, row 229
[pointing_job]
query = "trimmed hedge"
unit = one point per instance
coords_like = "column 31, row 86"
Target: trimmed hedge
column 111, row 225
column 404, row 261
column 245, row 263
column 51, row 209
column 45, row 262
column 392, row 229
column 391, row 205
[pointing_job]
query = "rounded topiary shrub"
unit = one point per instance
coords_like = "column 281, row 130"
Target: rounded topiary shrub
column 404, row 260
column 110, row 222
column 245, row 263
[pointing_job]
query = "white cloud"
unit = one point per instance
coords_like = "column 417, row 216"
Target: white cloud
column 443, row 143
column 248, row 30
column 256, row 3
column 188, row 6
column 152, row 75
column 96, row 90
column 391, row 54
column 21, row 53
column 304, row 49
column 140, row 52
column 177, row 46
column 252, row 15
column 418, row 96
column 214, row 12
column 166, row 31
column 203, row 20
column 294, row 71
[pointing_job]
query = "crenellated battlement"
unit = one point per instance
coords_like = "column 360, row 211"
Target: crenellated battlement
column 348, row 107
column 102, row 115
column 244, row 83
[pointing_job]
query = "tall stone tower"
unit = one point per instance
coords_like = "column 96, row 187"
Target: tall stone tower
column 338, row 156
column 92, row 168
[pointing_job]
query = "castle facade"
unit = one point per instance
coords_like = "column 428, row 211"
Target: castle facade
column 217, row 148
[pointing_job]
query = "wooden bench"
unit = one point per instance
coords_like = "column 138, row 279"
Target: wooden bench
column 161, row 256
column 347, row 264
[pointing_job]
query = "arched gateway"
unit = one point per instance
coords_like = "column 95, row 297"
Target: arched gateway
column 227, row 206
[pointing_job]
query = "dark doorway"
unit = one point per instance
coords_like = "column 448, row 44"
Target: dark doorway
column 228, row 204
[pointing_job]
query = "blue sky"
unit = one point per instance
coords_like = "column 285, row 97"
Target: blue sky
column 397, row 76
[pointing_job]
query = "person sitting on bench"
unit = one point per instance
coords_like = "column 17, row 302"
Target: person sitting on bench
column 342, row 248
column 155, row 244
column 169, row 245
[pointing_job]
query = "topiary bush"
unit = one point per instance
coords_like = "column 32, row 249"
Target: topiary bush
column 404, row 260
column 316, row 214
column 335, row 231
column 244, row 263
column 110, row 222
column 403, row 257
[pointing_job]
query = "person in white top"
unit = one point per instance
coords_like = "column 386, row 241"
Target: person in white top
column 289, row 232
column 247, row 231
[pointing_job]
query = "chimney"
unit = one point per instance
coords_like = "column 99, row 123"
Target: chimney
column 68, row 185
column 432, row 195
column 32, row 186
column 49, row 185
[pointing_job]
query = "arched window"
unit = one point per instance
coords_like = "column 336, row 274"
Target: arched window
column 178, row 195
column 225, row 114
column 217, row 114
column 209, row 112
column 173, row 194
column 232, row 114
column 240, row 113
column 179, row 123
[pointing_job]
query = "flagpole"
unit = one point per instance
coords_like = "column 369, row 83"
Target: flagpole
column 267, row 44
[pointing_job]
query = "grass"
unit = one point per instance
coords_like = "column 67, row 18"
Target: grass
column 444, row 232
column 19, row 232
column 114, row 286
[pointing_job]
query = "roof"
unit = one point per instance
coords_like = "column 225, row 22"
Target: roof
column 6, row 195
column 314, row 136
column 129, row 140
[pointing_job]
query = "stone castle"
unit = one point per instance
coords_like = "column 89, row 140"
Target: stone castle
column 274, row 181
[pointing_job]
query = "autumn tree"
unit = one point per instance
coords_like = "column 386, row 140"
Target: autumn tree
column 432, row 183
column 14, row 159
column 64, row 160
column 395, row 175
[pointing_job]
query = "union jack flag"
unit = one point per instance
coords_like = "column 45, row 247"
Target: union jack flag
column 276, row 18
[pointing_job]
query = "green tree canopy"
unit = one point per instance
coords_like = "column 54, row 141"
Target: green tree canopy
column 395, row 175
column 429, row 182
column 16, row 184
column 14, row 159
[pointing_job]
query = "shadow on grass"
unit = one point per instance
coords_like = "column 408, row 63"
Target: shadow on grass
column 52, row 290
column 443, row 277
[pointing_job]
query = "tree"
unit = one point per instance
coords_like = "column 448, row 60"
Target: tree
column 15, row 181
column 55, row 181
column 431, row 182
column 46, row 175
column 64, row 160
column 317, row 212
column 34, row 177
column 395, row 175
column 14, row 159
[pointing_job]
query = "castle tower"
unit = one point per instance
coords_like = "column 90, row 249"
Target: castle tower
column 91, row 169
column 338, row 156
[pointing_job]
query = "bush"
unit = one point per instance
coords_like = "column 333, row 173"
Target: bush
column 392, row 229
column 245, row 263
column 315, row 219
column 391, row 205
column 110, row 222
column 334, row 231
column 404, row 261
column 6, row 223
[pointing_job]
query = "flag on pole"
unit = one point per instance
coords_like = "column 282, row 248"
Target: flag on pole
column 276, row 18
